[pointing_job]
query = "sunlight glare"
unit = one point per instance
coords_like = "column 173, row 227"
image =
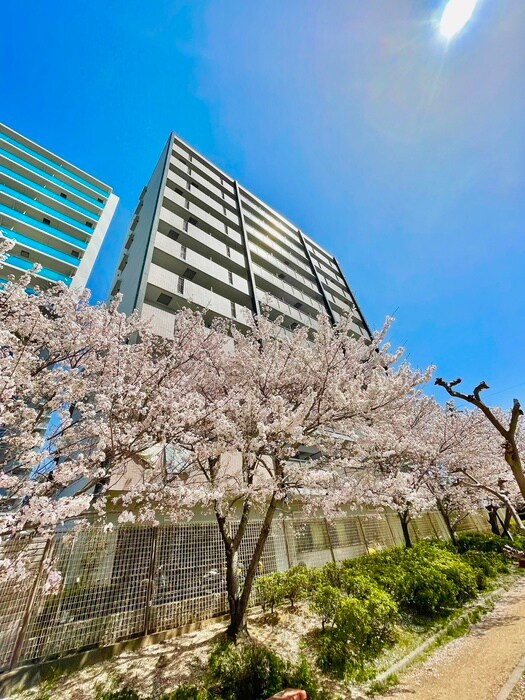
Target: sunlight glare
column 456, row 15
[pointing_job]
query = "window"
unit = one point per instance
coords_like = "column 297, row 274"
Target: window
column 294, row 326
column 234, row 312
column 164, row 299
column 75, row 253
column 281, row 275
column 89, row 224
column 178, row 190
column 228, row 251
column 63, row 195
column 189, row 274
column 101, row 201
column 174, row 234
column 46, row 221
column 230, row 277
column 183, row 252
column 298, row 305
column 24, row 253
column 193, row 221
column 180, row 286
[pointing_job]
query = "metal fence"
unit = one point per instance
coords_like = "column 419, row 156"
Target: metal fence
column 138, row 580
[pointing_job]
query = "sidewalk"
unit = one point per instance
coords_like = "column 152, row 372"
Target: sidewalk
column 477, row 666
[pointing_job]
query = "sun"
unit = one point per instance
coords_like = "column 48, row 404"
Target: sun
column 455, row 17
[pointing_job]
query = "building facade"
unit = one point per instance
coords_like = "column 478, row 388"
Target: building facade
column 200, row 239
column 57, row 214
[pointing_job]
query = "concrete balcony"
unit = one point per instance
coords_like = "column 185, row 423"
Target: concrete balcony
column 207, row 221
column 193, row 294
column 262, row 239
column 282, row 268
column 287, row 239
column 199, row 240
column 188, row 257
column 209, row 204
column 290, row 311
column 294, row 292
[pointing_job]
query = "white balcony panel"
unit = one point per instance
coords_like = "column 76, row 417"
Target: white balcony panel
column 161, row 322
column 200, row 236
column 199, row 262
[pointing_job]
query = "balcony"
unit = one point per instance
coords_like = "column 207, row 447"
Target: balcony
column 199, row 240
column 22, row 167
column 14, row 198
column 64, row 171
column 210, row 204
column 207, row 221
column 44, row 233
column 294, row 292
column 168, row 254
column 29, row 188
column 21, row 265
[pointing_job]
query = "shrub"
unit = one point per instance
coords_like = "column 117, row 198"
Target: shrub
column 122, row 694
column 251, row 670
column 187, row 692
column 482, row 543
column 270, row 590
column 486, row 565
column 362, row 621
column 295, row 584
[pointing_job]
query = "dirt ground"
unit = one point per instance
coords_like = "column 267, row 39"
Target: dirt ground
column 474, row 667
column 161, row 667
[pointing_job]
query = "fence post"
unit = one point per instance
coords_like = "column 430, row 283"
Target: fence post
column 387, row 520
column 29, row 609
column 431, row 518
column 286, row 544
column 358, row 518
column 151, row 577
column 330, row 543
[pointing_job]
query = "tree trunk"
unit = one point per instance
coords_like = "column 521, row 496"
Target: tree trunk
column 237, row 627
column 493, row 520
column 446, row 518
column 404, row 518
column 239, row 599
column 512, row 458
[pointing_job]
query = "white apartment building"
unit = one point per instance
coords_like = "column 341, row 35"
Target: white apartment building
column 200, row 239
column 56, row 214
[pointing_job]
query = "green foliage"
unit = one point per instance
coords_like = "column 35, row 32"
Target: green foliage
column 187, row 692
column 482, row 543
column 383, row 687
column 244, row 671
column 362, row 619
column 251, row 670
column 486, row 565
column 121, row 694
column 270, row 590
column 296, row 584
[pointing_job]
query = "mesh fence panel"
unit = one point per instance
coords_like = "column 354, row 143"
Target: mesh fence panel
column 103, row 596
column 347, row 538
column 134, row 580
column 310, row 543
column 376, row 532
column 15, row 597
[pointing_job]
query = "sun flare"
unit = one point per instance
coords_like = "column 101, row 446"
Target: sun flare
column 456, row 16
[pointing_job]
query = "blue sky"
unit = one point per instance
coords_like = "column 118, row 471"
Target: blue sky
column 402, row 157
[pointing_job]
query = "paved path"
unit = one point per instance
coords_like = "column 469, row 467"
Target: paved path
column 477, row 666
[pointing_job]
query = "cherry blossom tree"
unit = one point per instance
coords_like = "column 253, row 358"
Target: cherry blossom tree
column 509, row 425
column 271, row 395
column 80, row 398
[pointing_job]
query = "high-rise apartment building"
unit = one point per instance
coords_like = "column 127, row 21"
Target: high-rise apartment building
column 200, row 239
column 57, row 214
